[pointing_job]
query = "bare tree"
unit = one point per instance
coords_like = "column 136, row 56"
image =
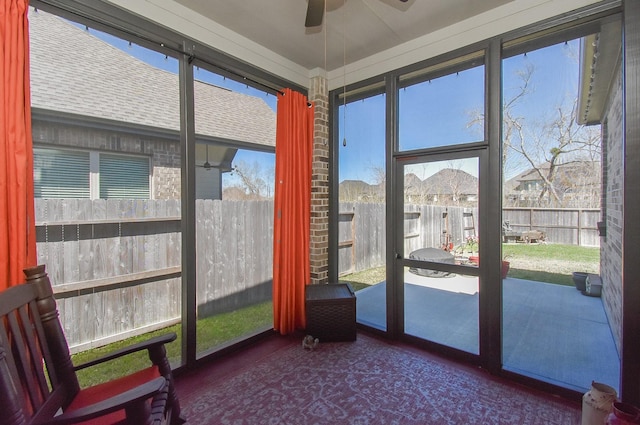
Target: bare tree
column 545, row 147
column 460, row 184
column 512, row 123
column 254, row 180
column 380, row 180
column 554, row 144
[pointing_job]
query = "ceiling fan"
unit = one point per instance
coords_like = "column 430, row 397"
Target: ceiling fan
column 315, row 12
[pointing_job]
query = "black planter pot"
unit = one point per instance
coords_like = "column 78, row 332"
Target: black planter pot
column 580, row 280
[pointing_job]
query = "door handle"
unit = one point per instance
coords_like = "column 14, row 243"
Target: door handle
column 398, row 256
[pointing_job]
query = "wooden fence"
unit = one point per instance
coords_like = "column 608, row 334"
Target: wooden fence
column 361, row 229
column 234, row 248
column 115, row 264
column 362, row 238
column 570, row 226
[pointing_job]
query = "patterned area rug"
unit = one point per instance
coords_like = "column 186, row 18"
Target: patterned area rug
column 367, row 382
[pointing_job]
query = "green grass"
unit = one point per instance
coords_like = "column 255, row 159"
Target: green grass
column 551, row 263
column 222, row 328
column 568, row 253
column 365, row 278
column 544, row 263
column 210, row 332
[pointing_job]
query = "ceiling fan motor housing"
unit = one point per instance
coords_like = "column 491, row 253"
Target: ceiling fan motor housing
column 316, row 10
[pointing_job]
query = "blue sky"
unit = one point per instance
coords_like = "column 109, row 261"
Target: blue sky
column 432, row 113
column 437, row 113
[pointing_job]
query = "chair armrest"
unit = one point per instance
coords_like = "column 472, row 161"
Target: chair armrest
column 144, row 345
column 124, row 400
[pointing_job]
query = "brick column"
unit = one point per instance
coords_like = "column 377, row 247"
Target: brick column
column 319, row 249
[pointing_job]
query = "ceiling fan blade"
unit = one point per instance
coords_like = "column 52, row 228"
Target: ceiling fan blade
column 315, row 12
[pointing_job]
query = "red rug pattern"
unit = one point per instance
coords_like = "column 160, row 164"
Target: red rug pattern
column 368, row 382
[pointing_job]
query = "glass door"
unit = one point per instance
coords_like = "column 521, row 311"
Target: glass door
column 437, row 247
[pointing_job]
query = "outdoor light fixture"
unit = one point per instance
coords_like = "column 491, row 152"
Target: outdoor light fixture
column 207, row 165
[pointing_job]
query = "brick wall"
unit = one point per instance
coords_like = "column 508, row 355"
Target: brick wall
column 613, row 183
column 164, row 153
column 319, row 249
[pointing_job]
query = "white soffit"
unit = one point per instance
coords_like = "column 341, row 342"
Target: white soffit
column 185, row 21
column 481, row 27
column 509, row 16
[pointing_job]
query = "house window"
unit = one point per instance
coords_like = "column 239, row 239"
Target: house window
column 124, row 177
column 66, row 173
column 61, row 173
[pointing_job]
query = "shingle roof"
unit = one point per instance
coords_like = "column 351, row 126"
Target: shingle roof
column 448, row 181
column 74, row 72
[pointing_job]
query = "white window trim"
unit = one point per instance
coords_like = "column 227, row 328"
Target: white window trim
column 94, row 167
column 94, row 175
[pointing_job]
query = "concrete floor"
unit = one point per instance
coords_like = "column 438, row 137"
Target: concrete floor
column 550, row 332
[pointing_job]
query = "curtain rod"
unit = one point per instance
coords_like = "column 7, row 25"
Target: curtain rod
column 192, row 57
column 83, row 18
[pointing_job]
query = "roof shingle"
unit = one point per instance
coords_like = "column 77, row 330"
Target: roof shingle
column 74, row 72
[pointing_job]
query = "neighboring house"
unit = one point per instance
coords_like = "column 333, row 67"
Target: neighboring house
column 360, row 191
column 577, row 184
column 447, row 186
column 106, row 124
column 451, row 186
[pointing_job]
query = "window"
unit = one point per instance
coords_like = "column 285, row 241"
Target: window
column 124, row 176
column 362, row 206
column 66, row 173
column 233, row 210
column 444, row 110
column 551, row 171
column 61, row 173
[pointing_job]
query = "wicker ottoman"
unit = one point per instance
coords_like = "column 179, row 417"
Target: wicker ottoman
column 331, row 312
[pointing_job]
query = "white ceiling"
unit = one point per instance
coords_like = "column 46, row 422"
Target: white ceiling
column 369, row 36
column 354, row 29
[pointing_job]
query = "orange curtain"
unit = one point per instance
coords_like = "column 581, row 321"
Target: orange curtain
column 17, row 218
column 294, row 143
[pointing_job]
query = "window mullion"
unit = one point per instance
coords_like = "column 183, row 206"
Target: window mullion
column 94, row 175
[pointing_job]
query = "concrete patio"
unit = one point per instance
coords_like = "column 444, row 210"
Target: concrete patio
column 550, row 332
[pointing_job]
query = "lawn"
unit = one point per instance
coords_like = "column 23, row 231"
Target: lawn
column 211, row 332
column 365, row 278
column 551, row 263
column 544, row 263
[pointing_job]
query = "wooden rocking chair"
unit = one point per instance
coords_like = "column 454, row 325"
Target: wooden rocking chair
column 38, row 383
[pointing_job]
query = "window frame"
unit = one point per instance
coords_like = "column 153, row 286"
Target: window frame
column 94, row 175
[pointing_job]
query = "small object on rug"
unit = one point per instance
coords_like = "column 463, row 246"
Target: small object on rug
column 309, row 343
column 367, row 381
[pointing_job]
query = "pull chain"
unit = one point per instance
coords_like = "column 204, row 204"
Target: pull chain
column 344, row 74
